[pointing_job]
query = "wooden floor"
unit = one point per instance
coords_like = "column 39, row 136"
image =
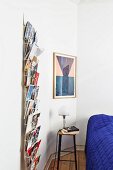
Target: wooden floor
column 81, row 162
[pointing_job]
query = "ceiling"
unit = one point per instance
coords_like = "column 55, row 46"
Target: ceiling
column 90, row 1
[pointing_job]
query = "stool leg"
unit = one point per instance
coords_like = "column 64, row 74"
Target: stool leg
column 59, row 150
column 74, row 140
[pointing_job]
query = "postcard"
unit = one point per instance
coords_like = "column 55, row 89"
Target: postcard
column 26, row 49
column 27, row 65
column 29, row 93
column 33, row 149
column 34, row 60
column 36, row 78
column 28, row 161
column 29, row 136
column 29, row 124
column 34, row 93
column 35, row 51
column 32, row 122
column 27, row 77
column 29, row 33
column 32, row 133
column 32, row 138
column 34, row 69
column 31, row 80
column 27, row 140
column 35, row 135
column 36, row 104
column 35, row 162
column 35, row 120
column 30, row 107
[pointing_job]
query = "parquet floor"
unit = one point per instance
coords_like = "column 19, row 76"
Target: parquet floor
column 81, row 162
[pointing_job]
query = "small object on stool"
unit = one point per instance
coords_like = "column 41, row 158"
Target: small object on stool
column 70, row 129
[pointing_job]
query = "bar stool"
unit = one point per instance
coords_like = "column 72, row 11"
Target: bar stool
column 60, row 135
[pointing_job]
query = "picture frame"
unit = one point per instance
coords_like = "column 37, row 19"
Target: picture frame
column 64, row 75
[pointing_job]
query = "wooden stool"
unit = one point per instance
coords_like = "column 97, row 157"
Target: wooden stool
column 73, row 134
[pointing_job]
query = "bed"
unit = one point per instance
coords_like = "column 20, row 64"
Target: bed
column 99, row 143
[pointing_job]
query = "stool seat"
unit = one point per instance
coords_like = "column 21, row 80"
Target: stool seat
column 60, row 134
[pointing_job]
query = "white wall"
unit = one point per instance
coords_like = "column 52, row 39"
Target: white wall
column 95, row 62
column 56, row 25
column 10, row 87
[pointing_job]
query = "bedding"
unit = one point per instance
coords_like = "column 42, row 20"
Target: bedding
column 99, row 143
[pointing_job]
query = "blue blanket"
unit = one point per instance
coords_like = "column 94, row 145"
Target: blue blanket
column 99, row 143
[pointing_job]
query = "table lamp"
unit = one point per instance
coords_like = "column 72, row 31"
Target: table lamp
column 63, row 112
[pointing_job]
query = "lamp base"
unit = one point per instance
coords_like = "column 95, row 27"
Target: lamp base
column 64, row 121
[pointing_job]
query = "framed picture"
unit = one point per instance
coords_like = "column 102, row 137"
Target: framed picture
column 64, row 75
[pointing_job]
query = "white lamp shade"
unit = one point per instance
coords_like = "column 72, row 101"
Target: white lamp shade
column 63, row 111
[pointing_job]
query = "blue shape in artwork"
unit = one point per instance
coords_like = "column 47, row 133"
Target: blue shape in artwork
column 70, row 86
column 59, row 81
column 64, row 86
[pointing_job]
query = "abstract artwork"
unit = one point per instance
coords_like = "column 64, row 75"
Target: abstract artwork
column 64, row 76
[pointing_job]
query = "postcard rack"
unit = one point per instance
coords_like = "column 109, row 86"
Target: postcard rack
column 31, row 114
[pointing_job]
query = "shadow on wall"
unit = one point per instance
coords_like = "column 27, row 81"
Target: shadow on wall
column 82, row 125
column 52, row 134
column 51, row 141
